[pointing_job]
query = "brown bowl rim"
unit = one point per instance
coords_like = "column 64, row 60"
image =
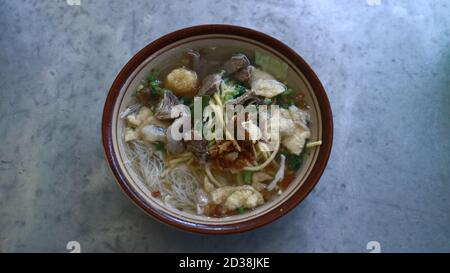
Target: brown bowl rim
column 246, row 225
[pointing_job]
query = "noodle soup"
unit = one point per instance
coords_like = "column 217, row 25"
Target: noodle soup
column 196, row 157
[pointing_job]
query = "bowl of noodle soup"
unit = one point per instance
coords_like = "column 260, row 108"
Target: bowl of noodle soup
column 216, row 186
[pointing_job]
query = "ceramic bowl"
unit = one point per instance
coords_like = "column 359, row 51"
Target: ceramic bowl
column 161, row 54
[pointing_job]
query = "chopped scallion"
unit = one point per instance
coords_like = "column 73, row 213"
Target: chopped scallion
column 159, row 146
column 247, row 176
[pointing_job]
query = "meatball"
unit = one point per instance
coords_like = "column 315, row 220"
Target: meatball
column 182, row 82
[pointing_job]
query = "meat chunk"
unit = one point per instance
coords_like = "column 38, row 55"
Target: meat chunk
column 236, row 62
column 193, row 58
column 200, row 149
column 210, row 84
column 164, row 109
column 244, row 75
column 245, row 98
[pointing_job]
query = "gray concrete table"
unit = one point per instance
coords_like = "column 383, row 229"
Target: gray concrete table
column 385, row 65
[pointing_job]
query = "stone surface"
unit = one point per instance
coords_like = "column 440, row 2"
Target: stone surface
column 385, row 65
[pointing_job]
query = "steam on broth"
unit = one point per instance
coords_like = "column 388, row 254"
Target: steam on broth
column 218, row 176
